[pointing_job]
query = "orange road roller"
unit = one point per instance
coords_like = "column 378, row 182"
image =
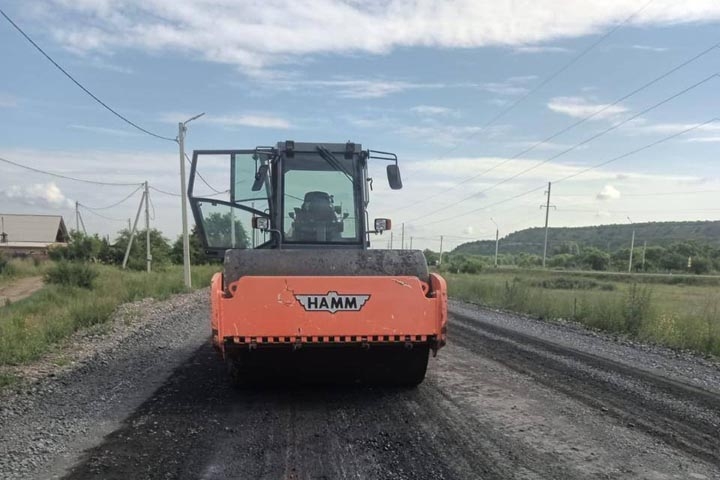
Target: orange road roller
column 302, row 296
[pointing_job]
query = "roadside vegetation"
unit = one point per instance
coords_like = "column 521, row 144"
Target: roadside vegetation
column 84, row 284
column 677, row 311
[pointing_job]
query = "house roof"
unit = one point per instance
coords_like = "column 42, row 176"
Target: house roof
column 43, row 229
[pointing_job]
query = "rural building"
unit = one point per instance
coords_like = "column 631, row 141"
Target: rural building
column 31, row 234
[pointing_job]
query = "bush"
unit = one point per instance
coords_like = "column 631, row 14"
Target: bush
column 4, row 265
column 71, row 274
column 471, row 266
column 637, row 307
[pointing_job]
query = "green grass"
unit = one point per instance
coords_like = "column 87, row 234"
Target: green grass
column 682, row 315
column 21, row 268
column 29, row 327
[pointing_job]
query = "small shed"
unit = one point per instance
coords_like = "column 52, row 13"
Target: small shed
column 31, row 234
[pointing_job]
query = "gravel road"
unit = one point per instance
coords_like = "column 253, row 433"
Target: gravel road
column 510, row 397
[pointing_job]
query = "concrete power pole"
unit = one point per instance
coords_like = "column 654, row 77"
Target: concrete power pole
column 77, row 217
column 643, row 255
column 632, row 247
column 148, row 254
column 391, row 240
column 497, row 241
column 132, row 232
column 182, row 128
column 402, row 237
column 547, row 219
column 410, row 242
column 441, row 242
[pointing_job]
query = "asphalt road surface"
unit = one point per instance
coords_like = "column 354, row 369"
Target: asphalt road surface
column 508, row 398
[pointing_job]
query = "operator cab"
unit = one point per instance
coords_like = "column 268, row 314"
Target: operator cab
column 294, row 195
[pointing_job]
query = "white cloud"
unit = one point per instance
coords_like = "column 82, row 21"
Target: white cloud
column 256, row 120
column 255, row 35
column 671, row 128
column 450, row 135
column 608, row 192
column 432, row 110
column 579, row 107
column 540, row 49
column 704, row 139
column 38, row 194
column 8, row 101
column 460, row 168
column 650, row 48
column 103, row 130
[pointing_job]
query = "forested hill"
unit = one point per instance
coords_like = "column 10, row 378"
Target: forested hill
column 604, row 237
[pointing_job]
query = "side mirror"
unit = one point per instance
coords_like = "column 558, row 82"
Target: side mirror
column 338, row 209
column 261, row 223
column 345, row 215
column 292, row 215
column 393, row 175
column 382, row 224
column 260, row 176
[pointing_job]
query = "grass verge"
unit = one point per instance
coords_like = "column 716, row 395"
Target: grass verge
column 29, row 327
column 681, row 315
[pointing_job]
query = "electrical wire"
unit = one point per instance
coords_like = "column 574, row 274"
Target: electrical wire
column 66, row 177
column 103, row 216
column 80, row 85
column 197, row 171
column 552, row 77
column 572, row 125
column 164, row 192
column 114, row 204
column 575, row 146
column 573, row 175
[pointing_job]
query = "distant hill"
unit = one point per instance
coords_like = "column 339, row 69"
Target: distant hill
column 605, row 237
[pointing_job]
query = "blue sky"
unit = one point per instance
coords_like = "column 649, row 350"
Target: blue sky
column 417, row 78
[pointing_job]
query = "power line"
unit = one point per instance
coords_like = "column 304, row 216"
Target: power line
column 550, row 78
column 164, row 192
column 568, row 177
column 103, row 216
column 648, row 194
column 197, row 172
column 114, row 204
column 574, row 147
column 572, row 125
column 82, row 87
column 66, row 177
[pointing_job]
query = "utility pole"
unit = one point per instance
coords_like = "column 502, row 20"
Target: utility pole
column 132, row 232
column 77, row 216
column 547, row 219
column 411, row 242
column 129, row 224
column 441, row 242
column 402, row 237
column 391, row 240
column 632, row 246
column 497, row 241
column 182, row 128
column 643, row 255
column 148, row 254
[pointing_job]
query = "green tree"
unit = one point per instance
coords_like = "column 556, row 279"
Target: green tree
column 159, row 248
column 594, row 258
column 197, row 252
column 431, row 257
column 217, row 230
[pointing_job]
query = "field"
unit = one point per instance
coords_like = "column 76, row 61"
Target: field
column 677, row 311
column 31, row 326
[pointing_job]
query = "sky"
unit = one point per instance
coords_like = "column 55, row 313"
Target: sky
column 484, row 102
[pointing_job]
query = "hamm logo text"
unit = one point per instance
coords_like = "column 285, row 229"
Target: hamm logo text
column 332, row 302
